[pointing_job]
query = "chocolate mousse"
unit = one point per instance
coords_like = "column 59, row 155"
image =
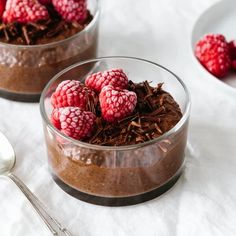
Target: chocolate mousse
column 128, row 164
column 31, row 53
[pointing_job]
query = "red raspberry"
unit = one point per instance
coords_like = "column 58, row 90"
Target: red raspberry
column 55, row 118
column 115, row 77
column 71, row 93
column 232, row 52
column 2, row 6
column 213, row 53
column 71, row 10
column 73, row 122
column 24, row 11
column 116, row 103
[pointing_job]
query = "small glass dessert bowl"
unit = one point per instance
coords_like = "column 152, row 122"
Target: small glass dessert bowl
column 33, row 52
column 123, row 161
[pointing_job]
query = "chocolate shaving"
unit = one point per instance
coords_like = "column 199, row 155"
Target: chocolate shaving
column 58, row 29
column 92, row 103
column 38, row 26
column 6, row 34
column 77, row 25
column 26, row 36
column 156, row 113
column 158, row 128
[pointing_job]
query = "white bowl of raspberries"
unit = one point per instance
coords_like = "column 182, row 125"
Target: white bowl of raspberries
column 213, row 42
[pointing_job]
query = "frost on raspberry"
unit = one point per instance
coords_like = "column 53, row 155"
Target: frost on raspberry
column 24, row 11
column 116, row 103
column 73, row 122
column 71, row 10
column 114, row 77
column 72, row 93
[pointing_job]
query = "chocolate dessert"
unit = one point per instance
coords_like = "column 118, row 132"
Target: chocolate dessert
column 124, row 160
column 33, row 50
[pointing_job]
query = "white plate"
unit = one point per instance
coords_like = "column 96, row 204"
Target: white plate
column 219, row 18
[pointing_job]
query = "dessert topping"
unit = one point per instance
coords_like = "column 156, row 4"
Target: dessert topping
column 115, row 77
column 29, row 22
column 232, row 51
column 71, row 10
column 116, row 103
column 213, row 53
column 73, row 122
column 24, row 11
column 73, row 93
column 156, row 112
column 120, row 116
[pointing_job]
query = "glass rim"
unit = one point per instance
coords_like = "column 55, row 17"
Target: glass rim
column 180, row 123
column 41, row 46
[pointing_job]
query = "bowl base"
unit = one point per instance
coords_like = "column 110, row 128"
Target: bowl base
column 20, row 97
column 117, row 201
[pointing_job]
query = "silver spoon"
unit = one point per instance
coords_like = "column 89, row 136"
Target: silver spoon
column 7, row 162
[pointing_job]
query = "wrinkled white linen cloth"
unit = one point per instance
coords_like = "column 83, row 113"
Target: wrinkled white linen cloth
column 203, row 202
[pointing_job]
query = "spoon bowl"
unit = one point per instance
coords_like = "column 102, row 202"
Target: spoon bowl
column 7, row 163
column 7, row 155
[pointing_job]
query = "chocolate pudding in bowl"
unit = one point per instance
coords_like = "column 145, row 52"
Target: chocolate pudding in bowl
column 116, row 134
column 32, row 51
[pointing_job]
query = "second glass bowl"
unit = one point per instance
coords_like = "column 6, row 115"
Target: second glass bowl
column 25, row 70
column 124, row 175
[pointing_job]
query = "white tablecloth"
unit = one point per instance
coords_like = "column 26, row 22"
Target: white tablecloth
column 203, row 202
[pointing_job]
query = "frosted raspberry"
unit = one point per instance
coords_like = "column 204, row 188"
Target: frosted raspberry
column 115, row 77
column 24, row 11
column 55, row 118
column 116, row 103
column 71, row 93
column 71, row 10
column 232, row 52
column 213, row 53
column 73, row 122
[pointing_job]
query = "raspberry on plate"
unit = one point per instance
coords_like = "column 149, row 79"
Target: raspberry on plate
column 73, row 122
column 213, row 53
column 71, row 93
column 24, row 11
column 116, row 103
column 115, row 77
column 71, row 10
column 232, row 52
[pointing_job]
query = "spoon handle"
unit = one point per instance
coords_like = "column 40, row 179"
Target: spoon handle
column 54, row 226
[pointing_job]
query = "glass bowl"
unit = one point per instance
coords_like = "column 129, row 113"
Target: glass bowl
column 25, row 70
column 121, row 175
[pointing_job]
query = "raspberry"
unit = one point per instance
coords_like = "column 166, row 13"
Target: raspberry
column 2, row 6
column 24, row 11
column 232, row 52
column 116, row 103
column 73, row 122
column 71, row 93
column 213, row 53
column 115, row 77
column 71, row 10
column 55, row 118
